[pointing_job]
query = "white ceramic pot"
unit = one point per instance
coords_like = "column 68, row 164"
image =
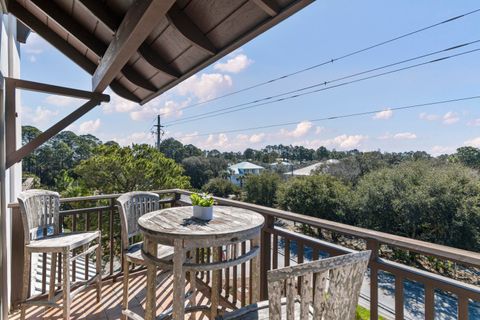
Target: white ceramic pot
column 203, row 213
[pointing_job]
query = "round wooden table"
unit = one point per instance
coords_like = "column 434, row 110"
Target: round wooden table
column 177, row 227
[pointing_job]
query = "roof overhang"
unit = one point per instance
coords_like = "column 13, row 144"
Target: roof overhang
column 142, row 48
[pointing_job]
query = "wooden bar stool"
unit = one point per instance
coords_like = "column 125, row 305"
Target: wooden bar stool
column 132, row 206
column 40, row 211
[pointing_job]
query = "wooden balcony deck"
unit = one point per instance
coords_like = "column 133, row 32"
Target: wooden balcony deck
column 85, row 306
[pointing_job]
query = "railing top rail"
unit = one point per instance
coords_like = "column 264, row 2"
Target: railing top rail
column 441, row 251
column 98, row 197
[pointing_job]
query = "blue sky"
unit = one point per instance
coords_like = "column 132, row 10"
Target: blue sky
column 322, row 31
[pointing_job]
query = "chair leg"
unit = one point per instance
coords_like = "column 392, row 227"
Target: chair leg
column 53, row 267
column 125, row 286
column 26, row 281
column 66, row 285
column 99, row 270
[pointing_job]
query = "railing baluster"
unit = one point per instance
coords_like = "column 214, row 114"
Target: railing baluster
column 287, row 253
column 462, row 308
column 429, row 302
column 300, row 259
column 227, row 273
column 234, row 277
column 265, row 254
column 74, row 263
column 209, row 253
column 87, row 258
column 398, row 297
column 112, row 249
column 44, row 272
column 275, row 252
column 243, row 276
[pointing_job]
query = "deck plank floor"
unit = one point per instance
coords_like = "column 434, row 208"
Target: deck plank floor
column 85, row 306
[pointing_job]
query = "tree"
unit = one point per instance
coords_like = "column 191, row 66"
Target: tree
column 425, row 200
column 261, row 189
column 221, row 187
column 115, row 169
column 468, row 156
column 198, row 169
column 321, row 196
column 173, row 149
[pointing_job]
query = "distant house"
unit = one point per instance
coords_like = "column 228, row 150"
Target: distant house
column 240, row 170
column 310, row 169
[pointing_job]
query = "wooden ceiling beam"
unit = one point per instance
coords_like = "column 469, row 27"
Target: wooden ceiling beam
column 70, row 25
column 179, row 20
column 97, row 8
column 137, row 24
column 43, row 31
column 89, row 40
column 269, row 6
column 157, row 62
column 112, row 22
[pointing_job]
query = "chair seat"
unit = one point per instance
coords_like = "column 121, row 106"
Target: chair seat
column 260, row 311
column 63, row 242
column 134, row 253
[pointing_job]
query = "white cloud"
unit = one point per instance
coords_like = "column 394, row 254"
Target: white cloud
column 300, row 130
column 429, row 117
column 319, row 130
column 205, row 87
column 450, row 118
column 153, row 108
column 90, row 126
column 216, row 141
column 346, row 141
column 38, row 117
column 61, row 101
column 118, row 104
column 474, row 122
column 438, row 150
column 34, row 47
column 405, row 136
column 383, row 115
column 234, row 65
column 256, row 138
column 136, row 137
column 475, row 142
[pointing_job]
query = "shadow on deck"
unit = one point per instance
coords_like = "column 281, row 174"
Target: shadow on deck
column 85, row 306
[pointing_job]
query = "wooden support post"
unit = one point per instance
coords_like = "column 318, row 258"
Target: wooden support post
column 18, row 246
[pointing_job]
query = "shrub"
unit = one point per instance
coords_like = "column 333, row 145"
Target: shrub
column 261, row 189
column 221, row 187
column 322, row 196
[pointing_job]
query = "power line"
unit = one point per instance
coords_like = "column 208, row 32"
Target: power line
column 324, row 83
column 236, row 109
column 332, row 60
column 349, row 115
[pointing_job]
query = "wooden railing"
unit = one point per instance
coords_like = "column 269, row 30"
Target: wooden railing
column 280, row 246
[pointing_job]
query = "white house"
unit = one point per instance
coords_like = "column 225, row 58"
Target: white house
column 239, row 170
column 308, row 170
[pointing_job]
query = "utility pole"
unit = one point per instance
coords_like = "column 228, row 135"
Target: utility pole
column 159, row 132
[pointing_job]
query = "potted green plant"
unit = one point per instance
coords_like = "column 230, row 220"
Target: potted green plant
column 202, row 206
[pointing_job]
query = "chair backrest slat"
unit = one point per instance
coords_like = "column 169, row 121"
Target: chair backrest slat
column 330, row 288
column 40, row 211
column 132, row 206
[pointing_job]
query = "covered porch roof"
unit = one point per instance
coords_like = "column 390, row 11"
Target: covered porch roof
column 141, row 48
